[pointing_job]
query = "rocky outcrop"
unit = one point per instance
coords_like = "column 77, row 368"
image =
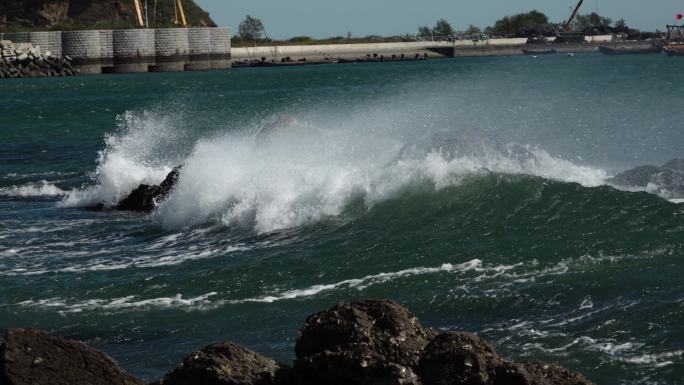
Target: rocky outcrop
column 372, row 342
column 224, row 363
column 24, row 60
column 365, row 342
column 145, row 197
column 33, row 357
column 667, row 179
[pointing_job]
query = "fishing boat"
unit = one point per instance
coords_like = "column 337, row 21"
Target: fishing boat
column 539, row 51
column 674, row 45
column 625, row 50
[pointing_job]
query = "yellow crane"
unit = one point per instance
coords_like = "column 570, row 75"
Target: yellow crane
column 178, row 9
column 139, row 13
column 179, row 13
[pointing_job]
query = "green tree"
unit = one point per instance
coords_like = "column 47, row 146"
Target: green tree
column 473, row 30
column 621, row 26
column 443, row 28
column 424, row 32
column 592, row 22
column 251, row 29
column 520, row 24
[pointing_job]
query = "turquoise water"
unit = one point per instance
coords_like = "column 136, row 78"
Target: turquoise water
column 473, row 191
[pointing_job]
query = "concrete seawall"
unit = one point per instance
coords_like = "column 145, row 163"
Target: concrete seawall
column 220, row 48
column 84, row 48
column 135, row 50
column 200, row 49
column 171, row 49
column 491, row 47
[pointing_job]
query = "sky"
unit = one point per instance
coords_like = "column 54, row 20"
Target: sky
column 327, row 18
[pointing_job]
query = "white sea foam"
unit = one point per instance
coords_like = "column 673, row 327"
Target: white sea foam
column 42, row 188
column 123, row 303
column 300, row 174
column 362, row 283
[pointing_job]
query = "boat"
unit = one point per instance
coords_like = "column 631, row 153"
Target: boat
column 674, row 50
column 539, row 51
column 625, row 50
column 674, row 45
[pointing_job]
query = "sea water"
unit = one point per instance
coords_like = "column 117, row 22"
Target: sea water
column 475, row 192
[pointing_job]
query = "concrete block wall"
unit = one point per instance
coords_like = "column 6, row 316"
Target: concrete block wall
column 200, row 49
column 133, row 50
column 171, row 49
column 48, row 41
column 220, row 48
column 84, row 48
column 106, row 49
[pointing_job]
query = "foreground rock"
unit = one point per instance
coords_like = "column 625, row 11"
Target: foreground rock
column 365, row 342
column 33, row 357
column 373, row 342
column 224, row 364
column 145, row 198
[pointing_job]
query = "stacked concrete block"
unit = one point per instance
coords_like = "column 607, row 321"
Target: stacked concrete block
column 200, row 49
column 48, row 41
column 172, row 49
column 133, row 50
column 83, row 47
column 220, row 48
column 106, row 50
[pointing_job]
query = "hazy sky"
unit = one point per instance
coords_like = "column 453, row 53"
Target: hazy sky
column 325, row 18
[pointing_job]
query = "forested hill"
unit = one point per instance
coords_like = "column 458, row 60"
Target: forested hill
column 85, row 14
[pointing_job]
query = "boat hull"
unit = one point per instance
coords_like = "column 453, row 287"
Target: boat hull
column 549, row 51
column 629, row 50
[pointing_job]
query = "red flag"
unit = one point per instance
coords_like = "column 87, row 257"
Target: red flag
column 679, row 16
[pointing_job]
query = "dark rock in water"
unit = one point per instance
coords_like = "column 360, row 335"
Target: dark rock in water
column 537, row 374
column 33, row 357
column 459, row 358
column 140, row 199
column 145, row 198
column 224, row 364
column 365, row 342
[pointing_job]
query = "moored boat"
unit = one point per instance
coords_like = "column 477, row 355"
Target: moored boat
column 625, row 50
column 539, row 51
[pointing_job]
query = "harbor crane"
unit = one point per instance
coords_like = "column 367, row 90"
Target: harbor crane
column 141, row 13
column 568, row 24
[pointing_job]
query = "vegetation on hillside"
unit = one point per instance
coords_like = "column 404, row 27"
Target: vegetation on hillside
column 92, row 14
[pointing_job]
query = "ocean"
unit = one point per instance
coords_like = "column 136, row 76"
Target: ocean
column 476, row 192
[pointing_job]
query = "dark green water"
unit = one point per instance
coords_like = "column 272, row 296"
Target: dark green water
column 472, row 191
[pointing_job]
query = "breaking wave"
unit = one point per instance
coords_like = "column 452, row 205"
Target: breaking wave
column 301, row 172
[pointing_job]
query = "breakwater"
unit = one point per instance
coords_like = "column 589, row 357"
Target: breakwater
column 332, row 53
column 133, row 50
column 24, row 60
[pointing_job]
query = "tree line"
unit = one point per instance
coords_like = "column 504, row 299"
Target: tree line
column 530, row 24
column 527, row 24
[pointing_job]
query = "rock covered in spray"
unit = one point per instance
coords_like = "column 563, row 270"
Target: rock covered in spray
column 146, row 198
